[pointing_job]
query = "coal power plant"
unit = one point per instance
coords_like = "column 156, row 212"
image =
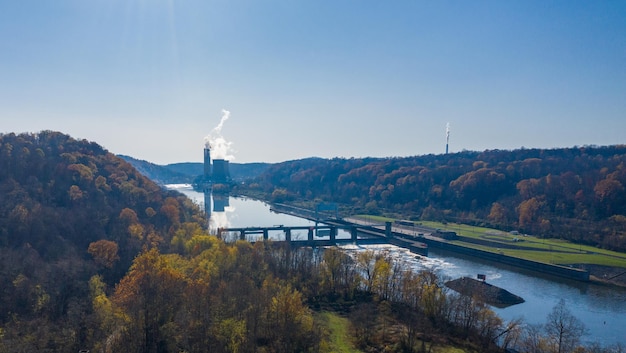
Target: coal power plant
column 216, row 173
column 221, row 173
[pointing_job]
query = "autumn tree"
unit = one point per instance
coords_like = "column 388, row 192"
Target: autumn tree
column 340, row 277
column 498, row 214
column 383, row 272
column 609, row 195
column 288, row 316
column 366, row 261
column 150, row 294
column 529, row 213
column 104, row 252
column 564, row 330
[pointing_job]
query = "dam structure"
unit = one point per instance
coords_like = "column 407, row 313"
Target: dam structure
column 323, row 235
column 325, row 231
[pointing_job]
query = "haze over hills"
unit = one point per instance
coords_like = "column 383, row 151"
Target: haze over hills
column 186, row 172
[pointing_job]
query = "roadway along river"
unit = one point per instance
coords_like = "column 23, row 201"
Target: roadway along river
column 601, row 308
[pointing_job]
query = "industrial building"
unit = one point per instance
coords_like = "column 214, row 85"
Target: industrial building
column 216, row 173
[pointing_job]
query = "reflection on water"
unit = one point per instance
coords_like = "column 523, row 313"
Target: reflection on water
column 237, row 212
column 217, row 217
column 601, row 308
column 216, row 205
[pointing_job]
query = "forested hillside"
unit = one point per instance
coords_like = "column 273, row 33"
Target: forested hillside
column 576, row 194
column 70, row 210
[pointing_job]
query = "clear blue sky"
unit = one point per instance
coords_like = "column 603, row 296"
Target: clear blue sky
column 336, row 78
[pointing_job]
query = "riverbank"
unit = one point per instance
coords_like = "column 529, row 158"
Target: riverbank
column 615, row 276
column 552, row 256
column 500, row 257
column 546, row 256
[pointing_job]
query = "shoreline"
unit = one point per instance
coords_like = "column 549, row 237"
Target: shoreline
column 607, row 275
column 591, row 273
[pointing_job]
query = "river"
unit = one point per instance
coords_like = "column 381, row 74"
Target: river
column 601, row 308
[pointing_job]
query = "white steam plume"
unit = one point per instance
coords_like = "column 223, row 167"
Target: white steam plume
column 220, row 148
column 447, row 132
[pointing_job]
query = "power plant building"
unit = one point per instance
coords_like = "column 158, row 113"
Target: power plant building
column 216, row 173
column 221, row 172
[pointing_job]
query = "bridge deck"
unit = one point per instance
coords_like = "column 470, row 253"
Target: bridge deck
column 326, row 235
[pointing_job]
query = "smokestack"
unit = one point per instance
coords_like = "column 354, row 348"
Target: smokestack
column 447, row 136
column 207, row 164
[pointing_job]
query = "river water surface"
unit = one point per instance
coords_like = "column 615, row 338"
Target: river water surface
column 601, row 308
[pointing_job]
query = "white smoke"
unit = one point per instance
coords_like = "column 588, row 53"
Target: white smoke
column 447, row 132
column 220, row 148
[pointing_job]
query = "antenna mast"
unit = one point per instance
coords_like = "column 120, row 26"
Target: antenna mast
column 447, row 136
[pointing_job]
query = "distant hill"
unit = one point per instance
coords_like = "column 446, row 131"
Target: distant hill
column 186, row 168
column 246, row 171
column 577, row 193
column 185, row 173
column 160, row 174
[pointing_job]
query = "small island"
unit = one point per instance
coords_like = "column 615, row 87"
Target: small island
column 489, row 293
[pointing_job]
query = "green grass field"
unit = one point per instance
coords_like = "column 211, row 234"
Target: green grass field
column 553, row 251
column 338, row 329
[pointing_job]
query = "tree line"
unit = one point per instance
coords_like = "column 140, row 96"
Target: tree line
column 219, row 297
column 211, row 296
column 576, row 194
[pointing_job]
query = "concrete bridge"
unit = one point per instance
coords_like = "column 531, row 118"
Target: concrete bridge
column 326, row 235
column 319, row 235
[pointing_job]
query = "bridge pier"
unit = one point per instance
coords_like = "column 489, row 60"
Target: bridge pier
column 327, row 234
column 288, row 235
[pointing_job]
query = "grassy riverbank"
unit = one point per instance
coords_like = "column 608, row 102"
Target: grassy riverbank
column 604, row 265
column 553, row 251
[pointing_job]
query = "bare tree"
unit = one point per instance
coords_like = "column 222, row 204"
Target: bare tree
column 511, row 333
column 533, row 341
column 564, row 329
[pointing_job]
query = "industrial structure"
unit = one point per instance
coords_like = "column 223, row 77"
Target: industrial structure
column 217, row 172
column 207, row 164
column 221, row 172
